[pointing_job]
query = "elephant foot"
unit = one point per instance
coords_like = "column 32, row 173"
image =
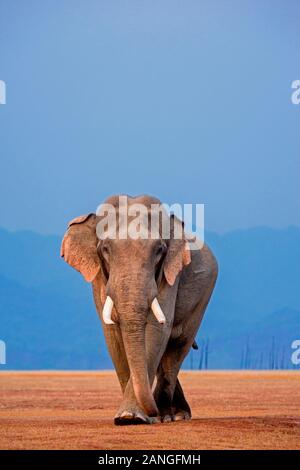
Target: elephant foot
column 132, row 415
column 182, row 416
column 178, row 415
column 166, row 418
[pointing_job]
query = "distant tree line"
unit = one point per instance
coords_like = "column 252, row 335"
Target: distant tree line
column 274, row 357
column 201, row 359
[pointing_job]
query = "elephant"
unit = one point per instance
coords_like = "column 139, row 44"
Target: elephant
column 151, row 296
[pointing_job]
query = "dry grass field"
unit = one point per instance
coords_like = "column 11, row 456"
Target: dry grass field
column 74, row 410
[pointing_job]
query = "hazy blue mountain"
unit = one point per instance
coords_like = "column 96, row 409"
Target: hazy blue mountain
column 48, row 319
column 47, row 330
column 259, row 272
column 263, row 345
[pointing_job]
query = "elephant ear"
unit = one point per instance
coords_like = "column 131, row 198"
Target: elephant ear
column 178, row 254
column 79, row 246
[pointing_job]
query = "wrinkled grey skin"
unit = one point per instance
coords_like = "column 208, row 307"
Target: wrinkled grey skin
column 132, row 273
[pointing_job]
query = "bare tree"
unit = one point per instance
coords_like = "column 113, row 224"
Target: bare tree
column 206, row 353
column 201, row 355
column 282, row 360
column 272, row 355
column 261, row 360
column 247, row 355
column 192, row 359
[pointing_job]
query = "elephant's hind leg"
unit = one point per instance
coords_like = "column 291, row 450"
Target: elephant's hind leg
column 168, row 393
column 163, row 394
column 180, row 407
column 172, row 409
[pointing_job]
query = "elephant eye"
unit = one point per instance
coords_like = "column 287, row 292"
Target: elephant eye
column 161, row 249
column 105, row 251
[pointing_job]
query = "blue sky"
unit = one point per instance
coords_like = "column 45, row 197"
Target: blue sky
column 187, row 100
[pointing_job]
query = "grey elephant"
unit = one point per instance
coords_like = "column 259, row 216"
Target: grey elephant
column 151, row 295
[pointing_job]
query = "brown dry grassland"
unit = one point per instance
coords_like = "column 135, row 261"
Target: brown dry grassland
column 74, row 410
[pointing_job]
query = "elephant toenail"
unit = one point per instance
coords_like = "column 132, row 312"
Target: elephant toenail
column 127, row 415
column 167, row 419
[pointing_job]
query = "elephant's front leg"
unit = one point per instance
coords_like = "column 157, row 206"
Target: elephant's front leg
column 130, row 411
column 113, row 337
column 115, row 346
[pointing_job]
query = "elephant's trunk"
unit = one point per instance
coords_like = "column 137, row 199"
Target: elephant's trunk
column 133, row 333
column 132, row 296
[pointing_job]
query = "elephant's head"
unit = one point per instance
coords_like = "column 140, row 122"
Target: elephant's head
column 133, row 271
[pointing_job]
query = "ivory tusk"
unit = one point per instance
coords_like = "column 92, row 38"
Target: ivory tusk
column 158, row 313
column 107, row 309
